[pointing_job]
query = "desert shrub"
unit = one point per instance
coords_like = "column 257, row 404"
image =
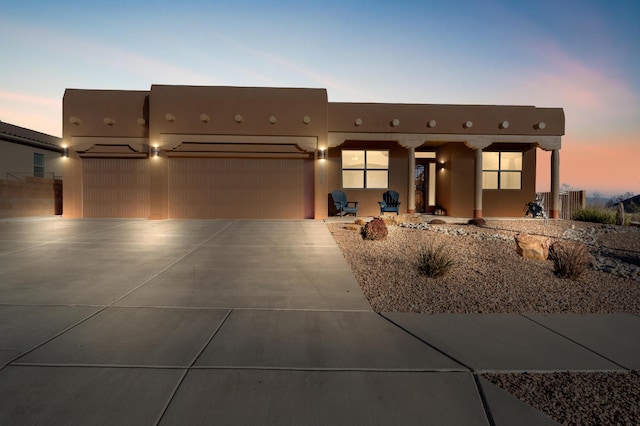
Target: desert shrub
column 360, row 222
column 596, row 215
column 570, row 258
column 375, row 230
column 435, row 260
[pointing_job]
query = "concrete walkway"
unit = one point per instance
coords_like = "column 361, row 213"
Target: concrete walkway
column 252, row 322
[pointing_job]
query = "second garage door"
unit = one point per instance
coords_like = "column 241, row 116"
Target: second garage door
column 240, row 188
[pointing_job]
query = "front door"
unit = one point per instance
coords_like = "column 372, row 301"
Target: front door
column 425, row 185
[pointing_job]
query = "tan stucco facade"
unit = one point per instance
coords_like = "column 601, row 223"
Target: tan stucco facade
column 220, row 152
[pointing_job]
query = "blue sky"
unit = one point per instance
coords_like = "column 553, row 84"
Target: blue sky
column 583, row 56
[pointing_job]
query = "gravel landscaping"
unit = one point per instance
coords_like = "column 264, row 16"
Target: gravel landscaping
column 490, row 277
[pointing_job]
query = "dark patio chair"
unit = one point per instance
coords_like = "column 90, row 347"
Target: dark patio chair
column 390, row 203
column 342, row 205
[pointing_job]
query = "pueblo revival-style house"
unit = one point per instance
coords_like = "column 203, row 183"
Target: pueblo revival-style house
column 244, row 152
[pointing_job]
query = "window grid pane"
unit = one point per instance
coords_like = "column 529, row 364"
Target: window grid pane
column 489, row 180
column 378, row 179
column 353, row 179
column 511, row 161
column 353, row 159
column 510, row 180
column 377, row 159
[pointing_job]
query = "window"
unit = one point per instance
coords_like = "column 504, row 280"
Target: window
column 38, row 165
column 365, row 169
column 501, row 170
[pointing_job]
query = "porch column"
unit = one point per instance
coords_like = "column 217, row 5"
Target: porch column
column 478, row 143
column 411, row 196
column 554, row 208
column 410, row 142
column 477, row 207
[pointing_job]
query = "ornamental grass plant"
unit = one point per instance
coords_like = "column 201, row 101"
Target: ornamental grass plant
column 435, row 260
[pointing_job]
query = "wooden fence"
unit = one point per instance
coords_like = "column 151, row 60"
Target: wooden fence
column 570, row 201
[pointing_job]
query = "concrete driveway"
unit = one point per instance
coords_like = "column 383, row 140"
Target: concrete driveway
column 220, row 322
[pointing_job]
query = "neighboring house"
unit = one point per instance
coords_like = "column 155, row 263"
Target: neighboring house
column 30, row 172
column 25, row 152
column 632, row 204
column 242, row 152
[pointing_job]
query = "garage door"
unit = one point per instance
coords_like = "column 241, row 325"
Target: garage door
column 115, row 187
column 242, row 188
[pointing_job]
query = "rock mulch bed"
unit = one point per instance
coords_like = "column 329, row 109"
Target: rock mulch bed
column 489, row 277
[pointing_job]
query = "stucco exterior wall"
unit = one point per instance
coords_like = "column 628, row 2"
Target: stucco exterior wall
column 510, row 202
column 368, row 198
column 278, row 123
column 17, row 159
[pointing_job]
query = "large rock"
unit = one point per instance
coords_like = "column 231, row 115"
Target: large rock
column 532, row 246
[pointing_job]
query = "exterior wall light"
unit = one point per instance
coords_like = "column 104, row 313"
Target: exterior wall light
column 109, row 121
column 468, row 124
column 306, row 119
column 395, row 122
column 238, row 118
column 504, row 124
column 155, row 151
column 432, row 123
column 204, row 118
column 65, row 152
column 441, row 165
column 273, row 119
column 358, row 122
column 540, row 126
column 322, row 154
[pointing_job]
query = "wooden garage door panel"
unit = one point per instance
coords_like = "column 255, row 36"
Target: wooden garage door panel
column 244, row 188
column 115, row 187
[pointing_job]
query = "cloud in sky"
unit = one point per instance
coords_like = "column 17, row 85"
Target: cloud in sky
column 22, row 109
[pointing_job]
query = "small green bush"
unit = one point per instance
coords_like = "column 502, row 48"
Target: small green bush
column 570, row 258
column 435, row 260
column 375, row 230
column 596, row 215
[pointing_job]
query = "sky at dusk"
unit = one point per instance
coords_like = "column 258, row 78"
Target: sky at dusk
column 583, row 56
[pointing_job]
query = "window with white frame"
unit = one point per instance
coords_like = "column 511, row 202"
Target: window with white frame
column 365, row 168
column 501, row 170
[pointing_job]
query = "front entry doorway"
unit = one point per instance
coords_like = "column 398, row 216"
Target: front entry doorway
column 425, row 179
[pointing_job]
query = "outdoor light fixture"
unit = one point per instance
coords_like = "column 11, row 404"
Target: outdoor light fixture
column 65, row 153
column 441, row 165
column 540, row 126
column 322, row 154
column 155, row 151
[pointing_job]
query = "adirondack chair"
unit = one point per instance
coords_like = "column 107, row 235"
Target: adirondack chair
column 342, row 205
column 389, row 202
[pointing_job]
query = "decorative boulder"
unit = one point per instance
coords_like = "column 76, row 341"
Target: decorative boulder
column 532, row 246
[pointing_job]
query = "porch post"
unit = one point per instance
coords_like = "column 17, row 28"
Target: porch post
column 477, row 209
column 554, row 209
column 411, row 196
